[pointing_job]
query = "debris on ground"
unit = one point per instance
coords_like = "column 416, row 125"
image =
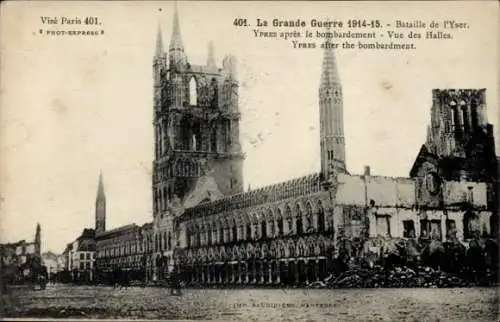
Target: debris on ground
column 420, row 276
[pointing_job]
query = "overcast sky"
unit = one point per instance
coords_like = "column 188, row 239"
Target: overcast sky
column 71, row 106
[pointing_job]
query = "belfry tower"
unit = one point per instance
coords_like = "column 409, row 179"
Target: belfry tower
column 100, row 208
column 460, row 136
column 331, row 116
column 196, row 125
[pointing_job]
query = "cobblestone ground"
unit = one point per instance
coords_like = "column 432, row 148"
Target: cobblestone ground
column 62, row 301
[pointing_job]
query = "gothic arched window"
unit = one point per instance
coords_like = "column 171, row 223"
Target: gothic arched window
column 193, row 95
column 185, row 133
column 309, row 218
column 279, row 223
column 321, row 219
column 197, row 137
column 298, row 221
column 288, row 218
column 214, row 91
column 263, row 233
column 213, row 137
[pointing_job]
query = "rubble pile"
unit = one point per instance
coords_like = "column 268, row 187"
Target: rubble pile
column 420, row 276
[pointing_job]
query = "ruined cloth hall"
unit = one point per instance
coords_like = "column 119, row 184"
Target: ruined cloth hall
column 209, row 229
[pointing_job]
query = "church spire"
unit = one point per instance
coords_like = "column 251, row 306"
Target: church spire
column 100, row 188
column 159, row 42
column 176, row 41
column 100, row 207
column 331, row 115
column 177, row 57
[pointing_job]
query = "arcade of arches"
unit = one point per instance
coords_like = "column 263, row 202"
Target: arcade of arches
column 286, row 244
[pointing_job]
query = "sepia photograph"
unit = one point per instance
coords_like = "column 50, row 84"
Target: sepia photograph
column 249, row 161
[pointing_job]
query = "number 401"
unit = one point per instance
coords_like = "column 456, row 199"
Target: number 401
column 238, row 22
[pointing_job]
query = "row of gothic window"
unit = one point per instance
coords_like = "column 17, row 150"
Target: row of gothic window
column 121, row 250
column 200, row 94
column 463, row 119
column 190, row 137
column 254, row 231
column 155, row 243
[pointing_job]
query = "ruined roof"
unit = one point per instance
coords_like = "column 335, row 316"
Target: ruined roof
column 382, row 191
column 422, row 156
column 291, row 188
column 205, row 189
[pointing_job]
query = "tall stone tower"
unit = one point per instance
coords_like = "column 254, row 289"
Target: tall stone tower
column 331, row 116
column 100, row 208
column 196, row 124
column 459, row 135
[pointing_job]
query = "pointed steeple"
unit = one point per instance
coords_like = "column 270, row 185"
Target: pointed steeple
column 329, row 74
column 100, row 188
column 159, row 43
column 177, row 58
column 100, row 207
column 176, row 40
column 211, row 55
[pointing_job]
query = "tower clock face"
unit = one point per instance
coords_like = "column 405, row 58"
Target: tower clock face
column 432, row 183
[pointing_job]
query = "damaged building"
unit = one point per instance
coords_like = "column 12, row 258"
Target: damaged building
column 205, row 226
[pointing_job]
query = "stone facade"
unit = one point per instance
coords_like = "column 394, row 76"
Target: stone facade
column 125, row 248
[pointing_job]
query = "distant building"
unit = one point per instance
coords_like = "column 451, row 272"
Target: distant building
column 123, row 248
column 53, row 262
column 19, row 252
column 79, row 257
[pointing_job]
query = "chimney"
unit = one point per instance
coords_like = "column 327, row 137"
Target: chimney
column 367, row 170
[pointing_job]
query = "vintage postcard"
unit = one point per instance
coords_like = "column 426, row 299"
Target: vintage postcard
column 249, row 161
